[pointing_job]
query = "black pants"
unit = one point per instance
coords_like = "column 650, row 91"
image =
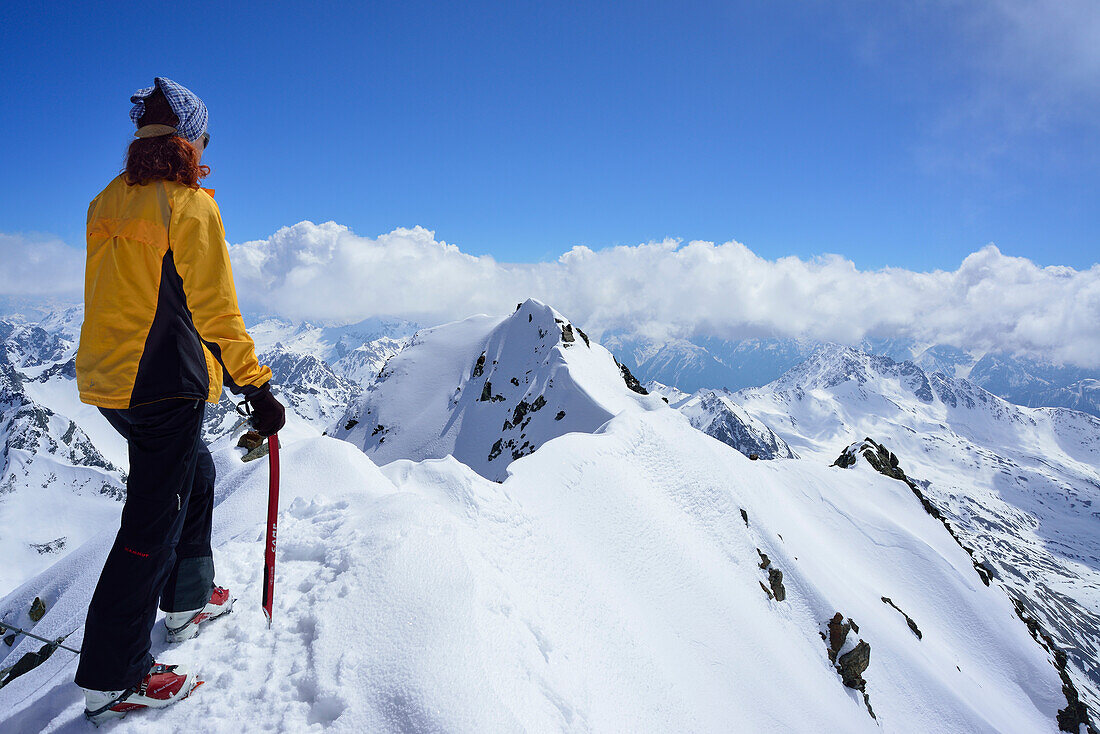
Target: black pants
column 162, row 550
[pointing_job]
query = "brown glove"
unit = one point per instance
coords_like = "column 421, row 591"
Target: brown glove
column 265, row 411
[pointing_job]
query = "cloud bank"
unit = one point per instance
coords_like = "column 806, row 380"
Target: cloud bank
column 37, row 265
column 991, row 302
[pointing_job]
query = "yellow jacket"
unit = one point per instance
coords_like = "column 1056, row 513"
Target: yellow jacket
column 161, row 318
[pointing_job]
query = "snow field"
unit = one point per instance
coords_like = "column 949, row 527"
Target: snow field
column 609, row 584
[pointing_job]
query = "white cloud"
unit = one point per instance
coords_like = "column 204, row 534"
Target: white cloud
column 992, row 301
column 33, row 265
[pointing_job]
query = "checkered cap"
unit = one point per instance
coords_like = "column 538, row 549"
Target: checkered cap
column 187, row 106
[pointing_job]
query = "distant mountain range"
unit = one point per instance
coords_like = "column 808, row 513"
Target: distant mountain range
column 708, row 362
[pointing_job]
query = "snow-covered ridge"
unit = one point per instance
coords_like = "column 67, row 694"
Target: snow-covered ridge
column 613, row 582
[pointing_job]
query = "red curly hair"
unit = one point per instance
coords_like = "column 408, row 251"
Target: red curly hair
column 165, row 157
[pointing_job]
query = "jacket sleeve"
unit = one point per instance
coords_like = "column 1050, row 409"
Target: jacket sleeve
column 197, row 240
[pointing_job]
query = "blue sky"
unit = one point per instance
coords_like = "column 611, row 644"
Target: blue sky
column 907, row 137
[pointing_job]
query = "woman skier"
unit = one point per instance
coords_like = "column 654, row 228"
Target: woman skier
column 161, row 331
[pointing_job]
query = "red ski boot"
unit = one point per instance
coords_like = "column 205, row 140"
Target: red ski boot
column 184, row 625
column 163, row 686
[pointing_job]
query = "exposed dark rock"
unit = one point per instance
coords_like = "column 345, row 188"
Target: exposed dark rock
column 884, row 461
column 38, row 609
column 49, row 547
column 10, row 640
column 560, row 415
column 514, row 381
column 766, row 590
column 851, row 666
column 878, row 456
column 64, row 369
column 496, row 449
column 479, row 366
column 630, row 380
column 259, row 452
column 378, row 429
column 567, row 337
column 764, row 560
column 908, row 620
column 352, row 423
column 1076, row 711
column 487, row 394
column 775, row 578
column 523, row 407
column 838, row 633
column 745, row 517
column 524, row 450
column 754, row 457
column 853, row 663
column 584, row 337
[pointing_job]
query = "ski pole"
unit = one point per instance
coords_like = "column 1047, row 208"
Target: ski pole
column 272, row 519
column 55, row 643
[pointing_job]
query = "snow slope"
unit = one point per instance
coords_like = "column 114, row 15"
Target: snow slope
column 1022, row 486
column 609, row 584
column 53, row 481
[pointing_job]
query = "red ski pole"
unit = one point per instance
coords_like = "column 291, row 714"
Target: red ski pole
column 272, row 519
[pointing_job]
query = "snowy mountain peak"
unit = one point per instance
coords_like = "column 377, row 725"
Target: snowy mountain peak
column 499, row 388
column 834, row 364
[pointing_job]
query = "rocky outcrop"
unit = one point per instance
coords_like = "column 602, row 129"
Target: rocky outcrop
column 850, row 664
column 38, row 610
column 880, row 458
column 885, row 462
column 775, row 581
column 630, row 380
column 1076, row 712
column 853, row 663
column 775, row 588
column 254, row 445
column 53, row 546
column 908, row 620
